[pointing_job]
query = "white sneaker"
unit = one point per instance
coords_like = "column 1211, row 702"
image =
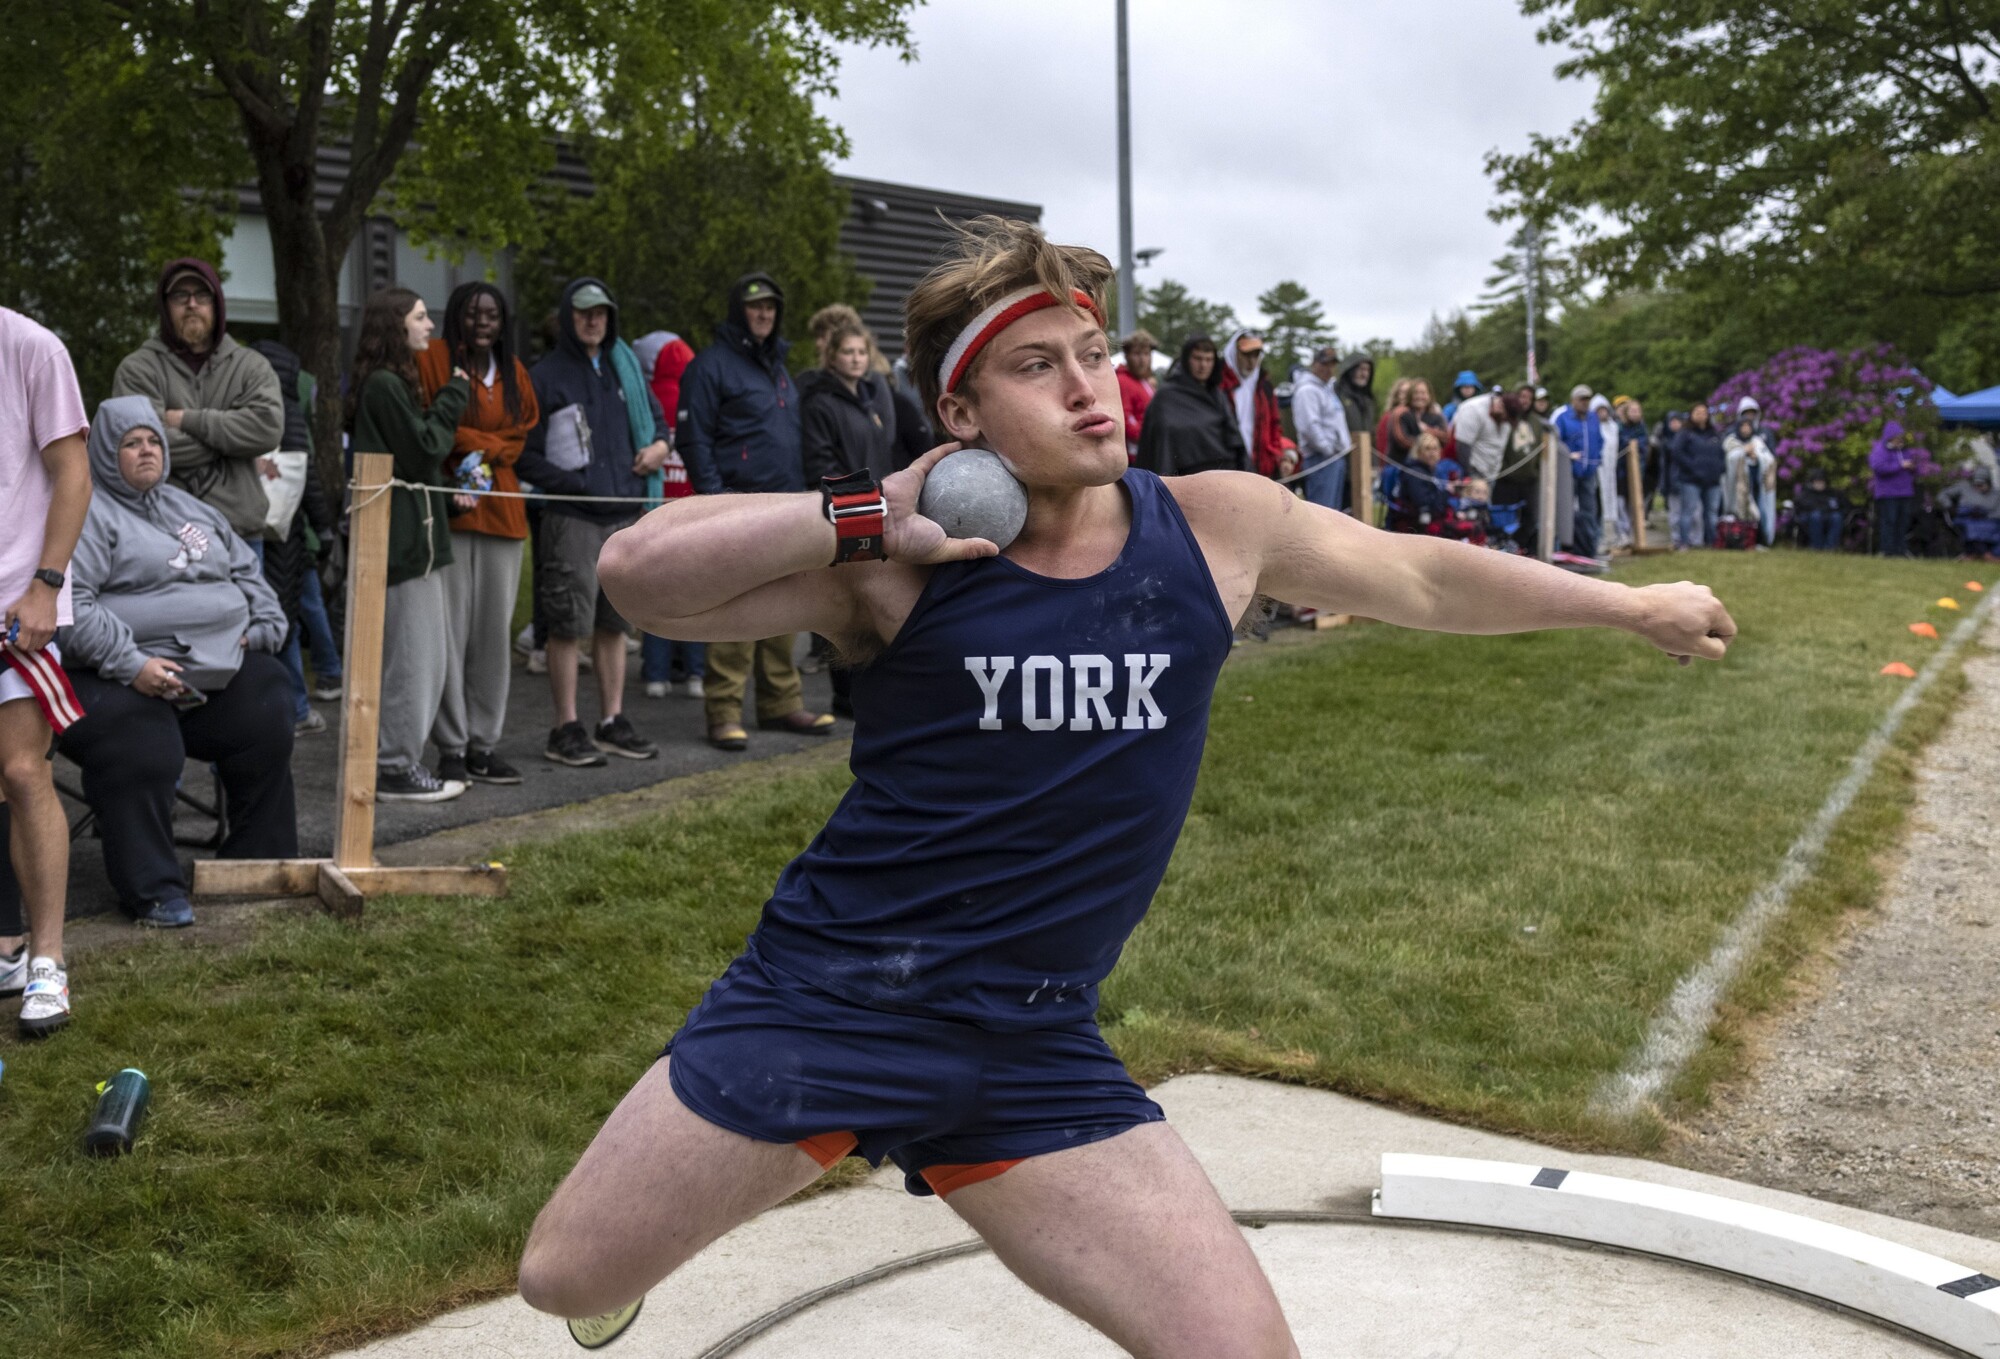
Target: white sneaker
column 14, row 973
column 538, row 662
column 524, row 640
column 45, row 1006
column 693, row 689
column 658, row 688
column 631, row 645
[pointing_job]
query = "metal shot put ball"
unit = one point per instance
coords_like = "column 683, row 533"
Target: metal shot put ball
column 971, row 494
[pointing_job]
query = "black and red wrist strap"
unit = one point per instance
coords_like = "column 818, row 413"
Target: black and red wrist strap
column 854, row 505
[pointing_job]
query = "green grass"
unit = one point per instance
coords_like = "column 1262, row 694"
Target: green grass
column 352, row 1128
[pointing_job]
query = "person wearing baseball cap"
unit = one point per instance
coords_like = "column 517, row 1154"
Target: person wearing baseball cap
column 1577, row 428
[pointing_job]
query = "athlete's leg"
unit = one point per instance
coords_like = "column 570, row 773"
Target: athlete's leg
column 1129, row 1235
column 656, row 1185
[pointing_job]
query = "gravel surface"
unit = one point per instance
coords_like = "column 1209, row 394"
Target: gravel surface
column 1883, row 1091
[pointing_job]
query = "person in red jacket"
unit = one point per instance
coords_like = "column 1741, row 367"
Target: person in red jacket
column 1247, row 389
column 663, row 663
column 1135, row 388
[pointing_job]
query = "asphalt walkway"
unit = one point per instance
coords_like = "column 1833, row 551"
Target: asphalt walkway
column 677, row 723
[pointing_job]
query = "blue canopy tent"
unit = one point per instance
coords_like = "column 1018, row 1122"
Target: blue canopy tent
column 1981, row 410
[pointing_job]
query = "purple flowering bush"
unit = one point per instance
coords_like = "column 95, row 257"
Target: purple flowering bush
column 1829, row 407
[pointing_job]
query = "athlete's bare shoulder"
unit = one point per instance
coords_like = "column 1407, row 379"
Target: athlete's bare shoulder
column 1233, row 515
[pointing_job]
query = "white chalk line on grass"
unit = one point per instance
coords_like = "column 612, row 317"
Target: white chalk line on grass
column 1679, row 1031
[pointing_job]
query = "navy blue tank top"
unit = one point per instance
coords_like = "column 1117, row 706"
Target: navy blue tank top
column 1024, row 754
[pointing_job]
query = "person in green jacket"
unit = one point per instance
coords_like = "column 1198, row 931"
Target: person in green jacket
column 385, row 414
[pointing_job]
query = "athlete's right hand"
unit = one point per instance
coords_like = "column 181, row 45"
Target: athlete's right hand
column 909, row 537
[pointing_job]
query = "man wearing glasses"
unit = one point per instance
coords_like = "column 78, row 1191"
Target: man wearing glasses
column 1247, row 389
column 219, row 400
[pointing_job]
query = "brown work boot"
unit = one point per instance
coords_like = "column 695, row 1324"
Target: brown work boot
column 728, row 736
column 799, row 722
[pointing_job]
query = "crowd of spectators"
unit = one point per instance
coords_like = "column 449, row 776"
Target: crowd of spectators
column 184, row 553
column 1713, row 475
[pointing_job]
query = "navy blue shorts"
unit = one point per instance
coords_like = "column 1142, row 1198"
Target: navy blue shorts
column 772, row 1057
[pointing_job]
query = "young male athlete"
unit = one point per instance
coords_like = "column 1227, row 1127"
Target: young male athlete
column 1027, row 731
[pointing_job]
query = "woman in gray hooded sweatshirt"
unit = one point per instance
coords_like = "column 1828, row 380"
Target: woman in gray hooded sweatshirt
column 174, row 656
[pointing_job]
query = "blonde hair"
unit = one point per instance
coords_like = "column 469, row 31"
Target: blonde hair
column 1428, row 439
column 1399, row 392
column 991, row 257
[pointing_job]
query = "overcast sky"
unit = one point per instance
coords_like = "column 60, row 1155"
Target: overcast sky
column 1341, row 143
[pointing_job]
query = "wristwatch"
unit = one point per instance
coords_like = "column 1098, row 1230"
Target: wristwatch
column 50, row 577
column 854, row 505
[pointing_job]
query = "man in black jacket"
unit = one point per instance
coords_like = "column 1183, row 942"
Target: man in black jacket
column 739, row 431
column 589, row 442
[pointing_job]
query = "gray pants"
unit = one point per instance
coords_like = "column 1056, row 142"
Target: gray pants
column 479, row 590
column 413, row 666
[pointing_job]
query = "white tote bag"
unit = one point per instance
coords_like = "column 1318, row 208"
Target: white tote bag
column 284, row 491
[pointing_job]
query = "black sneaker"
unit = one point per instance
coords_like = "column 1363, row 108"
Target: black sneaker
column 451, row 769
column 570, row 744
column 484, row 766
column 415, row 784
column 614, row 736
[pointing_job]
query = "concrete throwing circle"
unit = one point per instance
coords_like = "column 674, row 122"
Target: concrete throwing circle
column 1365, row 1290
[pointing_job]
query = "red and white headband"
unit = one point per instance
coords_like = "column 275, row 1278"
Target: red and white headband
column 981, row 329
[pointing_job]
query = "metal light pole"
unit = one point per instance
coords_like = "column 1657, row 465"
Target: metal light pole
column 1531, row 254
column 1128, row 310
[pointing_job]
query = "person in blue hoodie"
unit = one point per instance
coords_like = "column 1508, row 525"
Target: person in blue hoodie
column 1582, row 436
column 602, row 433
column 739, row 431
column 1464, row 387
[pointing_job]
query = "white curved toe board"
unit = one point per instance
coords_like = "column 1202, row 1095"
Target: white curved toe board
column 1924, row 1293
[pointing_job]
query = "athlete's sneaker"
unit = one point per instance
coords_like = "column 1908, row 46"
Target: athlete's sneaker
column 14, row 972
column 615, row 736
column 45, row 1004
column 570, row 744
column 658, row 688
column 327, row 690
column 524, row 640
column 309, row 724
column 484, row 766
column 451, row 769
column 692, row 688
column 414, row 784
column 594, row 1333
column 538, row 661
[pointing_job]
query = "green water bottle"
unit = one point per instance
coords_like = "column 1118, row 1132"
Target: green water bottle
column 121, row 1108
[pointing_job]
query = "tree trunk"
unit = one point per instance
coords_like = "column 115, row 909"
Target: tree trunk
column 308, row 255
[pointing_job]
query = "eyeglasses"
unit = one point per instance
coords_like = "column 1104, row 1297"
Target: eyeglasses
column 188, row 297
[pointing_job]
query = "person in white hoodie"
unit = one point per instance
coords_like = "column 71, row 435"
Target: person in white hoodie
column 1767, row 490
column 1322, row 430
column 1617, row 526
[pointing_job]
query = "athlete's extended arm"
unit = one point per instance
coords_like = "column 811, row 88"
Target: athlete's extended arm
column 1321, row 559
column 719, row 568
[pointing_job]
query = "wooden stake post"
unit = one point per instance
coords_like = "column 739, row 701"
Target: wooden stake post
column 1546, row 500
column 1361, row 477
column 352, row 874
column 1635, row 495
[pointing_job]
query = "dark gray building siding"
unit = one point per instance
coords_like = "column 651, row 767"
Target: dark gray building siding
column 895, row 233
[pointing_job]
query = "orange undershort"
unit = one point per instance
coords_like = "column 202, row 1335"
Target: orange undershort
column 827, row 1148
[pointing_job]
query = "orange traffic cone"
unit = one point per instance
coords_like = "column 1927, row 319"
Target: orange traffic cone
column 1899, row 670
column 1924, row 630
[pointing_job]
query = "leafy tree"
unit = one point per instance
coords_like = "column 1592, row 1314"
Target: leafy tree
column 1822, row 169
column 1295, row 326
column 101, row 143
column 1172, row 314
column 448, row 109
